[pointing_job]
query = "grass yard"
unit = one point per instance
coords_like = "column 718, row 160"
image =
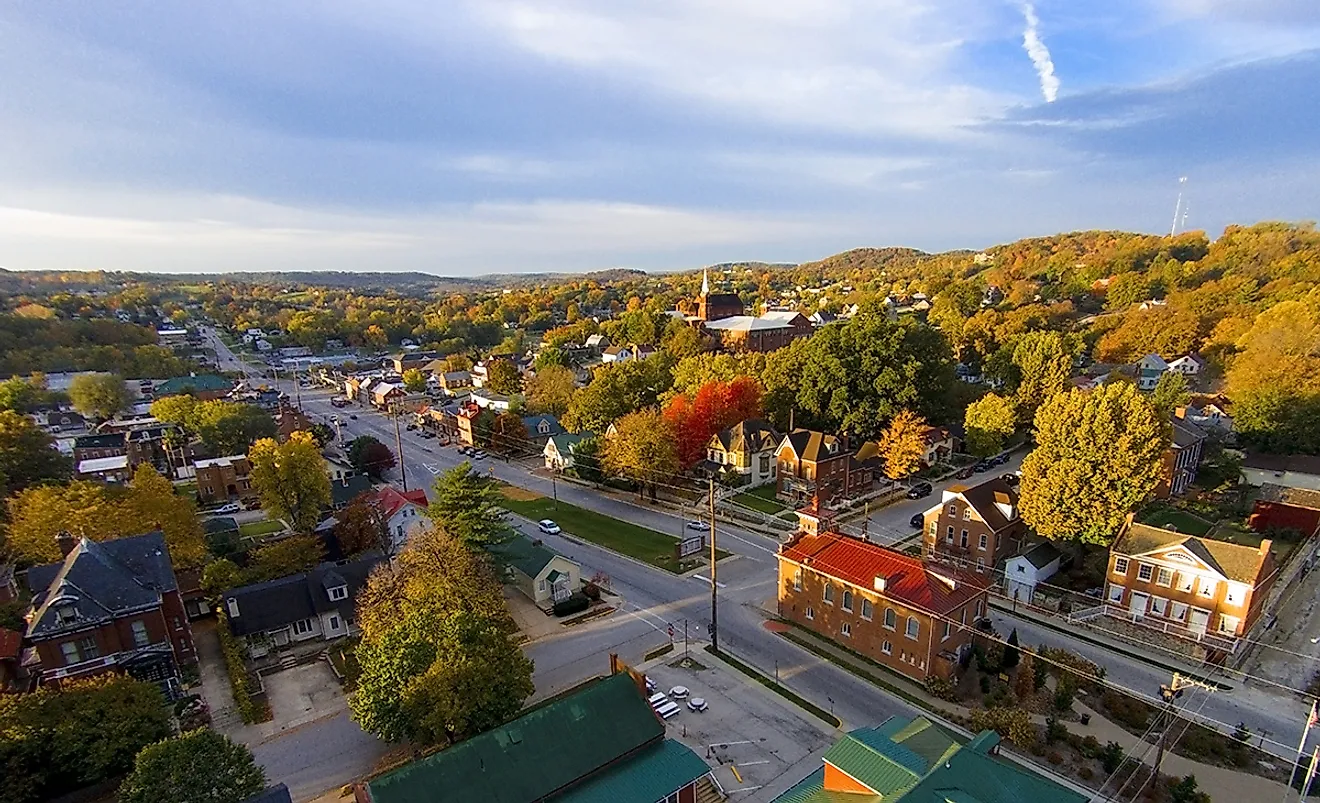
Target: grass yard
column 623, row 537
column 256, row 529
column 1183, row 521
column 761, row 502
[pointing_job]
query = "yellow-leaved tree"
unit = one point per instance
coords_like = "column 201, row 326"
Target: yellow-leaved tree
column 290, row 479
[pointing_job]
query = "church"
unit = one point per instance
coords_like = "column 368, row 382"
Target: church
column 722, row 316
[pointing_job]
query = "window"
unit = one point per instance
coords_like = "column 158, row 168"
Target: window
column 89, row 648
column 934, row 528
column 1165, row 577
column 1235, row 594
column 70, row 651
column 962, row 616
column 1185, row 581
column 810, row 613
column 1115, row 593
column 334, row 622
column 847, row 600
column 982, row 542
column 953, row 510
column 140, row 637
column 540, row 585
column 962, row 541
column 891, row 618
column 1144, row 572
column 948, row 630
column 887, row 648
column 913, row 627
column 341, row 592
column 1229, row 624
column 980, row 564
column 1207, row 588
column 867, row 609
column 829, row 593
column 302, row 627
column 1158, row 605
column 1120, row 565
column 765, row 464
column 847, row 630
column 797, row 579
column 980, row 609
column 232, row 604
column 1179, row 612
column 948, row 536
column 967, row 513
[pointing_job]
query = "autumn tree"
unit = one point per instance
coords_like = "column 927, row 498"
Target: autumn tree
column 468, row 506
column 414, row 380
column 903, row 444
column 504, row 377
column 617, row 389
column 989, row 422
column 691, row 373
column 361, row 526
column 224, row 427
column 24, row 394
column 290, row 479
column 1170, row 393
column 98, row 395
column 551, row 390
column 509, row 434
column 1274, row 381
column 1044, row 363
column 200, row 766
column 438, row 659
column 152, row 504
column 1098, row 456
column 643, row 450
column 369, row 456
column 715, row 406
column 27, row 454
column 283, row 557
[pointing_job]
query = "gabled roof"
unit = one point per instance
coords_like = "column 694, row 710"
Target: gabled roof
column 937, row 589
column 1186, row 434
column 1153, row 362
column 565, row 441
column 985, row 499
column 813, row 446
column 522, row 553
column 533, row 423
column 391, row 500
column 546, row 751
column 99, row 464
column 1041, row 555
column 747, row 323
column 101, row 581
column 654, row 773
column 281, row 602
column 752, row 435
column 341, row 493
column 1234, row 561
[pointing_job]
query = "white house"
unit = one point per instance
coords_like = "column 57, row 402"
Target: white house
column 617, row 354
column 1290, row 471
column 544, row 576
column 404, row 513
column 1189, row 365
column 1149, row 370
column 559, row 449
column 1022, row 573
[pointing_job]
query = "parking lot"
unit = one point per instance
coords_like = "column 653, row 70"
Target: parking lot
column 299, row 695
column 748, row 734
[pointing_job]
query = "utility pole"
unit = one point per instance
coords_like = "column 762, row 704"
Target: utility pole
column 554, row 487
column 714, row 589
column 398, row 444
column 1170, row 694
column 866, row 521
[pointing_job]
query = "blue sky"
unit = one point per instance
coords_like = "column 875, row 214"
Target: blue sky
column 462, row 137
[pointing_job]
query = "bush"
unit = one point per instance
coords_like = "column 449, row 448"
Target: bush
column 1013, row 724
column 1054, row 758
column 1055, row 731
column 1201, row 743
column 1085, row 669
column 1089, row 747
column 985, row 684
column 591, row 591
column 576, row 602
column 940, row 688
column 1063, row 692
column 1086, row 773
column 1127, row 711
column 238, row 676
column 1111, row 756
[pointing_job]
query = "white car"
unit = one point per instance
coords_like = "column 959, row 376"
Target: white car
column 548, row 526
column 696, row 524
column 232, row 507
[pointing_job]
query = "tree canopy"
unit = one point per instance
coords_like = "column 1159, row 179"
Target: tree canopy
column 643, row 449
column 200, row 766
column 468, row 506
column 98, row 395
column 369, row 456
column 290, row 479
column 989, row 422
column 28, row 455
column 617, row 389
column 224, row 427
column 903, row 444
column 551, row 390
column 714, row 407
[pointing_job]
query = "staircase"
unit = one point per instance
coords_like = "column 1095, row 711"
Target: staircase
column 708, row 791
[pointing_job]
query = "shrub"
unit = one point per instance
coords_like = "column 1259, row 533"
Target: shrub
column 985, row 684
column 1127, row 711
column 1013, row 724
column 940, row 688
column 1039, row 671
column 575, row 602
column 1086, row 773
column 1063, row 692
column 1084, row 668
column 591, row 591
column 1054, row 758
column 1111, row 756
column 1055, row 730
column 1089, row 747
column 238, row 677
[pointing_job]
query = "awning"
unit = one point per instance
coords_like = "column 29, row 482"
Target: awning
column 554, row 576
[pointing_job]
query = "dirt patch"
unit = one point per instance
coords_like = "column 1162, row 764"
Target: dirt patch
column 520, row 494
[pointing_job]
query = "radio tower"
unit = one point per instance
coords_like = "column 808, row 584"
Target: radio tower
column 1177, row 208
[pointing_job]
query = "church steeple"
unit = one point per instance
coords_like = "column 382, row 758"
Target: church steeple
column 705, row 281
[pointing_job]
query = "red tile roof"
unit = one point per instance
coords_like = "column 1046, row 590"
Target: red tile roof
column 391, row 499
column 937, row 588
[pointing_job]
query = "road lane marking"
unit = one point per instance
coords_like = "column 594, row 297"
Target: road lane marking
column 703, row 578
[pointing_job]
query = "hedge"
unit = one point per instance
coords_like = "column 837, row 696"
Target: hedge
column 238, row 677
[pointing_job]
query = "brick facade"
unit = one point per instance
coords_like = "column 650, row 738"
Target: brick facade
column 975, row 527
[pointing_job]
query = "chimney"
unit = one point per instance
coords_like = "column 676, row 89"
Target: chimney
column 66, row 542
column 1265, row 547
column 879, row 583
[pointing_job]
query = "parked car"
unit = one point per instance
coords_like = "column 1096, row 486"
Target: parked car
column 252, row 504
column 696, row 524
column 427, row 434
column 1000, row 459
column 983, row 465
column 232, row 507
column 479, row 454
column 1011, row 478
column 965, row 474
column 411, row 427
column 548, row 526
column 917, row 520
column 353, row 416
column 920, row 490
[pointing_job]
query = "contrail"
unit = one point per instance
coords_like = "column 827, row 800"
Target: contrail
column 1040, row 55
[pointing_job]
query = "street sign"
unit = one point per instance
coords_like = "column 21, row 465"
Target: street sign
column 691, row 545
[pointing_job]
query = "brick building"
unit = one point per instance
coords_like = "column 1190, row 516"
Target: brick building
column 109, row 606
column 222, row 479
column 977, row 526
column 1181, row 459
column 822, row 466
column 913, row 617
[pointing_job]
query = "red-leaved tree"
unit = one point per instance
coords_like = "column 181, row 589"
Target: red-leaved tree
column 715, row 406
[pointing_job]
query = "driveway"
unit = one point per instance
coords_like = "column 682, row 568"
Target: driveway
column 299, row 695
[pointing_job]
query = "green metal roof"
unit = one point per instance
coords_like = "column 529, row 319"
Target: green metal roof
column 523, row 554
column 532, row 757
column 950, row 771
column 653, row 775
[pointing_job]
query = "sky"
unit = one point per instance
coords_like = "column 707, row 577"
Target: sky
column 463, row 137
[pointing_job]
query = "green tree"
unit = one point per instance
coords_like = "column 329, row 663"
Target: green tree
column 27, row 454
column 290, row 479
column 681, row 340
column 1186, row 790
column 903, row 444
column 644, row 449
column 953, row 306
column 369, row 456
column 230, row 427
column 692, row 373
column 98, row 395
column 1044, row 363
column 22, row 395
column 1098, row 457
column 504, row 377
column 437, row 656
column 221, row 575
column 586, row 460
column 551, row 390
column 361, row 526
column 1012, row 652
column 617, row 389
column 989, row 422
column 468, row 506
column 414, row 380
column 292, row 555
column 550, row 357
column 1170, row 393
column 200, row 766
column 1274, row 381
column 1125, row 290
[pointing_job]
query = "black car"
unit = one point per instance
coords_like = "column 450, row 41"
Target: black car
column 1000, row 460
column 965, row 474
column 917, row 520
column 920, row 490
column 983, row 466
column 1011, row 478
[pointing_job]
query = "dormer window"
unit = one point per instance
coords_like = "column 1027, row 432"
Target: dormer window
column 338, row 593
column 232, row 605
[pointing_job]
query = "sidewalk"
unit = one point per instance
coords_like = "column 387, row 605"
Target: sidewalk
column 1227, row 784
column 215, row 679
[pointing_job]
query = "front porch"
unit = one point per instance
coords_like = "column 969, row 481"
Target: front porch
column 1224, row 643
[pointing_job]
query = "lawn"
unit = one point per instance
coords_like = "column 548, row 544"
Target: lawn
column 1182, row 521
column 256, row 529
column 760, row 501
column 628, row 539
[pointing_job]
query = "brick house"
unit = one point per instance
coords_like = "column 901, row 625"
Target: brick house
column 109, row 606
column 913, row 617
column 979, row 526
column 1181, row 459
column 1198, row 588
column 815, row 464
column 95, row 447
column 222, row 479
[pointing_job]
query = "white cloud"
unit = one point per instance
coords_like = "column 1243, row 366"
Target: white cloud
column 1040, row 55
